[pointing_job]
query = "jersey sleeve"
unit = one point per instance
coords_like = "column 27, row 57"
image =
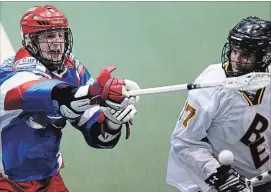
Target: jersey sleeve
column 84, row 75
column 189, row 138
column 6, row 65
column 29, row 92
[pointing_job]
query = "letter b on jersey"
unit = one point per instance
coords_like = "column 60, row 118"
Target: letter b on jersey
column 253, row 139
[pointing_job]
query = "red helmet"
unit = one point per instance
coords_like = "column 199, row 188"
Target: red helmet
column 40, row 18
column 40, row 21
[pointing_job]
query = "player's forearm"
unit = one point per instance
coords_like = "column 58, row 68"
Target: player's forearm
column 196, row 155
column 96, row 131
column 33, row 92
column 32, row 96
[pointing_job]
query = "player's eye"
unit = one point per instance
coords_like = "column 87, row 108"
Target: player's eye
column 50, row 35
column 61, row 35
column 246, row 54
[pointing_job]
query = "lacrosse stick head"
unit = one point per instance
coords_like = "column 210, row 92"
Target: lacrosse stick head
column 248, row 82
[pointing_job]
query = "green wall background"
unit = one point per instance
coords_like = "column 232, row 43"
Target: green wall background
column 154, row 44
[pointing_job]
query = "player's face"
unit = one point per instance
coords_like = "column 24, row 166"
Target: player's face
column 242, row 61
column 52, row 45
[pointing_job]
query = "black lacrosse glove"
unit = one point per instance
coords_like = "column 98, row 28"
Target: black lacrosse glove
column 227, row 179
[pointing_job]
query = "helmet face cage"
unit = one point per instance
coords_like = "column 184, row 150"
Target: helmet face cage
column 252, row 59
column 253, row 48
column 33, row 43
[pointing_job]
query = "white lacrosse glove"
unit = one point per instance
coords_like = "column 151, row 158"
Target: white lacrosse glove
column 129, row 85
column 118, row 114
column 117, row 118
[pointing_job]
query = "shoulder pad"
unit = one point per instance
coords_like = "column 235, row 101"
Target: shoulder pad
column 211, row 73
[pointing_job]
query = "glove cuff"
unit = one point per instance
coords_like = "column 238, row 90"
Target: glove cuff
column 220, row 176
column 111, row 125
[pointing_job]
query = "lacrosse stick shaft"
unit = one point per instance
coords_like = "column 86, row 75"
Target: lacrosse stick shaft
column 261, row 179
column 251, row 81
column 226, row 158
column 154, row 90
column 170, row 88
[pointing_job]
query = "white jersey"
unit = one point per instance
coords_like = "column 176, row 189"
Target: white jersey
column 213, row 120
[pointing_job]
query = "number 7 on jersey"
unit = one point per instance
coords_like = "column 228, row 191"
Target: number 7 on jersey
column 188, row 113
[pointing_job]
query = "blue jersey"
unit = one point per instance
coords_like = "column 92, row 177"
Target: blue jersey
column 31, row 130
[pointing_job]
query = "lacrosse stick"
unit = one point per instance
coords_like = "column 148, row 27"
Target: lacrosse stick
column 261, row 179
column 226, row 158
column 251, row 81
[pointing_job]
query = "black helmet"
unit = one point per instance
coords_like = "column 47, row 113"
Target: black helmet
column 250, row 37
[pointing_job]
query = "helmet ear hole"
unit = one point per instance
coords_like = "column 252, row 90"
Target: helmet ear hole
column 30, row 44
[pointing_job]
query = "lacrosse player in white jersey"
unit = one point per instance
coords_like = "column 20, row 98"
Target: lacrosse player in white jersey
column 214, row 119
